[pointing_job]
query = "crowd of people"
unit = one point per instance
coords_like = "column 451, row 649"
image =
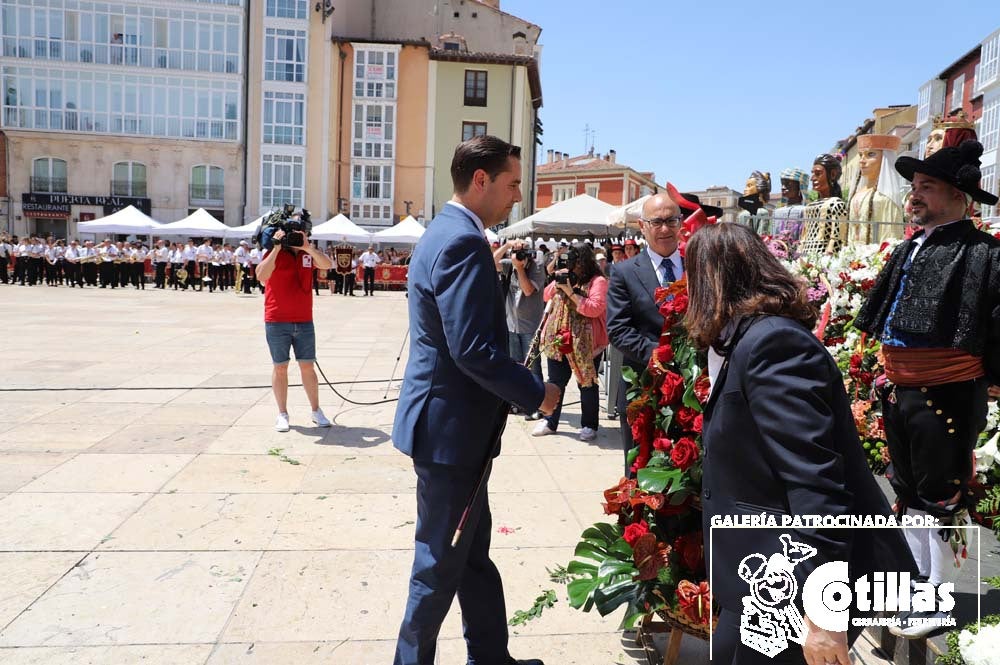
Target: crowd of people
column 190, row 265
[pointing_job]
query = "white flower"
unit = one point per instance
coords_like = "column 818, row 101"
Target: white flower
column 987, row 454
column 980, row 649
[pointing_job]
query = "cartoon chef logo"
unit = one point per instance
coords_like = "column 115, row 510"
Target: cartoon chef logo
column 770, row 619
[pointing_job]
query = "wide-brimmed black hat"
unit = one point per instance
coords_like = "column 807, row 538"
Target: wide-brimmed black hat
column 959, row 167
column 711, row 211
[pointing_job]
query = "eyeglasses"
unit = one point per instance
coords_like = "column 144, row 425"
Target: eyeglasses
column 669, row 222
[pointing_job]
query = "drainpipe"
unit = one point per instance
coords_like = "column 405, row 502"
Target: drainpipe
column 340, row 124
column 246, row 112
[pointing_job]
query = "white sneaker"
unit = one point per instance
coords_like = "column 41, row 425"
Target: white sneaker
column 587, row 434
column 281, row 422
column 320, row 419
column 542, row 429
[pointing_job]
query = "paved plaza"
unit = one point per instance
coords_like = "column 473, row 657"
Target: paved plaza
column 158, row 526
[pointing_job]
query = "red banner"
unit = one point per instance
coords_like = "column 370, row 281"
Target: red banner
column 386, row 274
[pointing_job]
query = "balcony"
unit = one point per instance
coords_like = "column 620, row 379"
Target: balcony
column 48, row 185
column 136, row 188
column 207, row 195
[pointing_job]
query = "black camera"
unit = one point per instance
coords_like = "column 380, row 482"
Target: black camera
column 566, row 260
column 522, row 254
column 295, row 229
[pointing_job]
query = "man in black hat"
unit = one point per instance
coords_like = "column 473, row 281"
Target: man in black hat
column 934, row 308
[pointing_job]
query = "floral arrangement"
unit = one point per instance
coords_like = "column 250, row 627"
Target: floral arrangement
column 651, row 559
column 838, row 284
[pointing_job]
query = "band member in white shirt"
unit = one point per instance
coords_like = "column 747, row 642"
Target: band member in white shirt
column 108, row 254
column 190, row 256
column 122, row 272
column 256, row 256
column 229, row 265
column 71, row 265
column 6, row 251
column 138, row 266
column 89, row 268
column 205, row 254
column 36, row 264
column 50, row 255
column 161, row 257
column 242, row 258
column 176, row 263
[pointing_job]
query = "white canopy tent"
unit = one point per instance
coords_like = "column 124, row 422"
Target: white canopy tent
column 578, row 216
column 492, row 237
column 245, row 231
column 627, row 216
column 129, row 220
column 200, row 223
column 407, row 232
column 341, row 229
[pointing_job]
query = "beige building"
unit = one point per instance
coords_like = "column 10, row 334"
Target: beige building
column 122, row 103
column 723, row 197
column 359, row 110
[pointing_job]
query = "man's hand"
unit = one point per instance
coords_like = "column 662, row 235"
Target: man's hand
column 279, row 234
column 994, row 391
column 552, row 397
column 824, row 647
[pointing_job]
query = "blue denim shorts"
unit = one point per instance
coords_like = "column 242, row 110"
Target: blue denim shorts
column 283, row 337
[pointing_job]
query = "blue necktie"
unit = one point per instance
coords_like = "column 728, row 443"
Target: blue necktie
column 668, row 272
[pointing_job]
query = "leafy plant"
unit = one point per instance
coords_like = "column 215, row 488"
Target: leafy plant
column 545, row 601
column 278, row 452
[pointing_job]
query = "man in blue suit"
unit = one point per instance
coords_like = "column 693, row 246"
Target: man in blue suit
column 457, row 389
column 634, row 320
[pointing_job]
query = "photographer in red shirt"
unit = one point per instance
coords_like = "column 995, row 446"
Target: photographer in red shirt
column 287, row 273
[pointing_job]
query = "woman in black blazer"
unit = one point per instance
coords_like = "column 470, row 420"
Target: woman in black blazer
column 779, row 441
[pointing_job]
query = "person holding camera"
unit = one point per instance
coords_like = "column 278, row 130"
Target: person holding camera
column 287, row 272
column 575, row 333
column 522, row 279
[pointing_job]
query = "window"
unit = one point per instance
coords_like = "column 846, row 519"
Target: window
column 208, row 183
column 287, row 8
column 593, row 190
column 128, row 179
column 471, row 129
column 112, row 103
column 989, row 61
column 48, row 175
column 989, row 125
column 988, row 182
column 371, row 181
column 957, row 93
column 282, row 181
column 284, row 55
column 563, row 192
column 284, row 118
column 375, row 73
column 374, row 131
column 475, row 88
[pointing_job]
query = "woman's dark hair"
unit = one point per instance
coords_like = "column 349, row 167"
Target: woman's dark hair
column 480, row 152
column 587, row 261
column 732, row 274
column 833, row 170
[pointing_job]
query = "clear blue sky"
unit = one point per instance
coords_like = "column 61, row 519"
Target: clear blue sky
column 704, row 92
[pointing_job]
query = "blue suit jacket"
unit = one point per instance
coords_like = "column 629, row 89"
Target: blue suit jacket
column 459, row 379
column 634, row 320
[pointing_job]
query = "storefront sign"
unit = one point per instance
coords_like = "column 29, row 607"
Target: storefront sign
column 57, row 206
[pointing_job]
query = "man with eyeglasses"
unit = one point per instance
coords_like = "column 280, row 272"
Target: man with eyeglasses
column 634, row 320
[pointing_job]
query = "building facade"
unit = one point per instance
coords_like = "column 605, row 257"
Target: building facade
column 359, row 111
column 721, row 197
column 562, row 177
column 129, row 103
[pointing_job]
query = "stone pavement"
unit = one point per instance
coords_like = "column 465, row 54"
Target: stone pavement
column 154, row 526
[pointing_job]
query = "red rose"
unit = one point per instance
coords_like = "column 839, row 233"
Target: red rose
column 684, row 453
column 698, row 423
column 565, row 338
column 661, row 356
column 663, row 444
column 855, row 361
column 686, row 417
column 635, row 531
column 680, row 303
column 702, row 388
column 691, row 550
column 672, row 388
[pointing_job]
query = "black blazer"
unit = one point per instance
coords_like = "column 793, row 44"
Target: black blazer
column 779, row 438
column 634, row 321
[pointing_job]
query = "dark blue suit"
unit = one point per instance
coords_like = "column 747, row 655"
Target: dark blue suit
column 457, row 388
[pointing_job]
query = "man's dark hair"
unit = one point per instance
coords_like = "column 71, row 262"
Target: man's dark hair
column 480, row 152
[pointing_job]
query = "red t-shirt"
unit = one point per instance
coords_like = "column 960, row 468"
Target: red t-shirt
column 288, row 295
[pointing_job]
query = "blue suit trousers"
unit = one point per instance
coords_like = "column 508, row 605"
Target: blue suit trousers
column 440, row 571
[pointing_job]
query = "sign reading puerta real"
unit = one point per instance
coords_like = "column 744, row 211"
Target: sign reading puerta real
column 59, row 206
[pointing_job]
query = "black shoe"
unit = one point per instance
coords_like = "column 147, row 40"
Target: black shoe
column 526, row 661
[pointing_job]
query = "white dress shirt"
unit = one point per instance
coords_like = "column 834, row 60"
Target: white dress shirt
column 657, row 260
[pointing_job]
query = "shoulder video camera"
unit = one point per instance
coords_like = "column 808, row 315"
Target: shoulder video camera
column 295, row 229
column 566, row 260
